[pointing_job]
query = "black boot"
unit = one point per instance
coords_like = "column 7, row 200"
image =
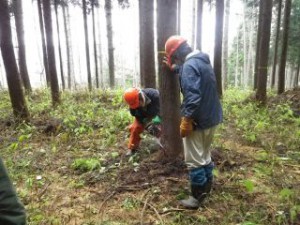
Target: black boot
column 199, row 193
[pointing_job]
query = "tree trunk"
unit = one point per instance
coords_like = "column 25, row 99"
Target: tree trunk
column 59, row 46
column 266, row 16
column 259, row 33
column 43, row 39
column 297, row 75
column 236, row 74
column 51, row 54
column 147, row 62
column 10, row 64
column 193, row 24
column 100, row 54
column 111, row 66
column 18, row 11
column 179, row 16
column 95, row 44
column 225, row 44
column 199, row 24
column 66, row 18
column 276, row 44
column 245, row 75
column 286, row 22
column 169, row 83
column 87, row 50
column 218, row 44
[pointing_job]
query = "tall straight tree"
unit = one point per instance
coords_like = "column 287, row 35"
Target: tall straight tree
column 147, row 60
column 66, row 18
column 179, row 16
column 262, row 71
column 225, row 44
column 10, row 64
column 87, row 49
column 286, row 22
column 199, row 24
column 43, row 40
column 258, row 40
column 56, row 2
column 169, row 83
column 94, row 4
column 111, row 60
column 276, row 43
column 218, row 44
column 18, row 12
column 51, row 54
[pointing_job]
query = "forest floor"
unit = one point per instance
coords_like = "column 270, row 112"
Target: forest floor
column 68, row 164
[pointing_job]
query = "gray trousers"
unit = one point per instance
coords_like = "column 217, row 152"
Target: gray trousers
column 197, row 145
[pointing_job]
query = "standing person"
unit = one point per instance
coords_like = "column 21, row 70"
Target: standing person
column 11, row 209
column 144, row 106
column 201, row 112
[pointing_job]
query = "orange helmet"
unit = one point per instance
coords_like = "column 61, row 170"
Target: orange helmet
column 172, row 44
column 131, row 96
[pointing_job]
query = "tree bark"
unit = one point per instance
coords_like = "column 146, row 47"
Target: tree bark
column 87, row 50
column 169, row 83
column 179, row 16
column 225, row 45
column 18, row 11
column 276, row 44
column 59, row 46
column 266, row 16
column 111, row 60
column 43, row 40
column 51, row 54
column 7, row 50
column 259, row 33
column 218, row 44
column 95, row 44
column 147, row 60
column 286, row 22
column 199, row 24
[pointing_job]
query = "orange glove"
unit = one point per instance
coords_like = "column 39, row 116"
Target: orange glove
column 186, row 126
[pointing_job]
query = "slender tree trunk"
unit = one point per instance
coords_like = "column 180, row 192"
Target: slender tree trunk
column 261, row 93
column 199, row 24
column 10, row 64
column 250, row 55
column 179, row 16
column 276, row 44
column 218, row 44
column 18, row 11
column 259, row 33
column 51, row 55
column 111, row 66
column 68, row 46
column 59, row 46
column 169, row 83
column 100, row 53
column 281, row 80
column 237, row 62
column 43, row 39
column 147, row 58
column 193, row 24
column 297, row 75
column 225, row 44
column 245, row 75
column 95, row 44
column 87, row 50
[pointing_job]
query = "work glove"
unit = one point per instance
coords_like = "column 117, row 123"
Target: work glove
column 186, row 126
column 168, row 64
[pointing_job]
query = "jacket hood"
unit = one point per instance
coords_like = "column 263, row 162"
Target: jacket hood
column 199, row 55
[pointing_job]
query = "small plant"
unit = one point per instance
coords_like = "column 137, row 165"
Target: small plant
column 86, row 165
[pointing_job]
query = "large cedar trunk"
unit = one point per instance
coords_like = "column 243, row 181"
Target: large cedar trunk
column 43, row 40
column 218, row 44
column 18, row 11
column 199, row 24
column 95, row 45
column 169, row 83
column 262, row 71
column 111, row 60
column 59, row 46
column 10, row 64
column 147, row 63
column 51, row 55
column 281, row 78
column 276, row 44
column 87, row 50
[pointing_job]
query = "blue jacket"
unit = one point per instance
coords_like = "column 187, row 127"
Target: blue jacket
column 143, row 114
column 200, row 97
